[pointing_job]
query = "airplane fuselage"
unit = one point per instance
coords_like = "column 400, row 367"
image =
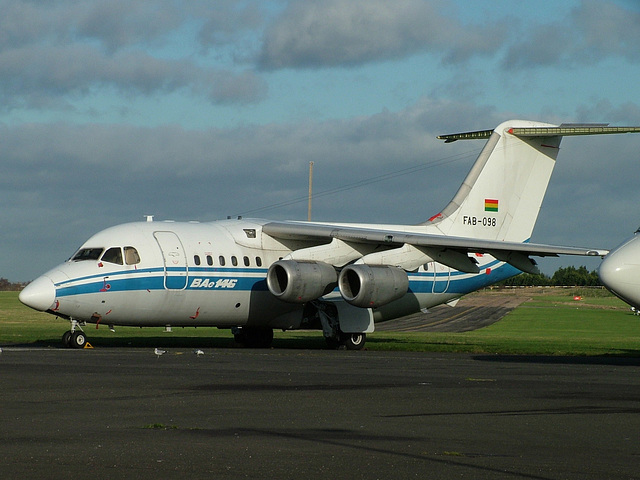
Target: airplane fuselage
column 210, row 274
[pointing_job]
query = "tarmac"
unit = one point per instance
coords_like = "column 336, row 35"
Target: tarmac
column 471, row 312
column 315, row 414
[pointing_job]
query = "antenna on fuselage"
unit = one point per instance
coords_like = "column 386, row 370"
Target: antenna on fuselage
column 149, row 218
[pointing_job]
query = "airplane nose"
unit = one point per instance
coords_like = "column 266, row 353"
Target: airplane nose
column 620, row 271
column 608, row 272
column 39, row 294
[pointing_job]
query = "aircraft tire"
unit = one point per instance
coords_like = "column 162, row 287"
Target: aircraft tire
column 66, row 339
column 353, row 341
column 78, row 339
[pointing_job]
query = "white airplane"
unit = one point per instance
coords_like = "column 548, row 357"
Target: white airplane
column 253, row 276
column 619, row 272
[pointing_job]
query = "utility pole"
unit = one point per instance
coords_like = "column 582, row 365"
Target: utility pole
column 310, row 189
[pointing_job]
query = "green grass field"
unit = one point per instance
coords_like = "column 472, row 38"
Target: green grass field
column 548, row 324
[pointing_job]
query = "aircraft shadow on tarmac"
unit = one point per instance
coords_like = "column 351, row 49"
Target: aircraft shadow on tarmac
column 627, row 358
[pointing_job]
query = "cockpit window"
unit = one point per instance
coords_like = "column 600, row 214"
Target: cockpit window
column 113, row 255
column 87, row 254
column 131, row 256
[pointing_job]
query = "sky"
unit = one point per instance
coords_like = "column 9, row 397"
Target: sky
column 111, row 110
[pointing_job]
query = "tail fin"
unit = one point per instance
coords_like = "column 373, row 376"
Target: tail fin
column 501, row 196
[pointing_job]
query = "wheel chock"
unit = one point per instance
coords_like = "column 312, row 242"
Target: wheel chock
column 88, row 345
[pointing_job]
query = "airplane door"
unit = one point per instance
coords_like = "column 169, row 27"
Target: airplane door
column 441, row 277
column 175, row 261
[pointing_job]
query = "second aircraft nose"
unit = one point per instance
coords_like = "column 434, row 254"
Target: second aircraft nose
column 620, row 271
column 39, row 294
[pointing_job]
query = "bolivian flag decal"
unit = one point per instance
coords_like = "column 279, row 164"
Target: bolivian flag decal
column 490, row 205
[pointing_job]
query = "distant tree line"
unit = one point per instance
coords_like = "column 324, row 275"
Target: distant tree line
column 7, row 286
column 564, row 276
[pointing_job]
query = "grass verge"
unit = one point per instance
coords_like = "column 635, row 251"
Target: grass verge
column 548, row 324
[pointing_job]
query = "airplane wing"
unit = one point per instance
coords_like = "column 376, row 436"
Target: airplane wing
column 448, row 250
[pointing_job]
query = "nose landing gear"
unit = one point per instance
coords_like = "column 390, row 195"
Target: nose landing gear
column 74, row 338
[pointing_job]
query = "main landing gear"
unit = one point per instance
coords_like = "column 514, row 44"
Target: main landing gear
column 353, row 341
column 74, row 338
column 333, row 335
column 350, row 341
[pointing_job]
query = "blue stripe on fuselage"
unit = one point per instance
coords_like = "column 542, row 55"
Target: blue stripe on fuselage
column 461, row 282
column 237, row 280
column 139, row 280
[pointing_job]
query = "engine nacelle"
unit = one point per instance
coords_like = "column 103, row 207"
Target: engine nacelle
column 371, row 286
column 300, row 282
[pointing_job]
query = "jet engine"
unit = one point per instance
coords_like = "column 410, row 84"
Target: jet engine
column 370, row 286
column 300, row 282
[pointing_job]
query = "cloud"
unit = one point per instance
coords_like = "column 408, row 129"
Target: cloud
column 231, row 22
column 608, row 29
column 53, row 53
column 113, row 24
column 120, row 23
column 327, row 33
column 63, row 182
column 591, row 32
column 43, row 76
column 627, row 113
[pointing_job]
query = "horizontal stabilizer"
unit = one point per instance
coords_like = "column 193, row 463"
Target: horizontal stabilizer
column 569, row 129
column 478, row 135
column 564, row 130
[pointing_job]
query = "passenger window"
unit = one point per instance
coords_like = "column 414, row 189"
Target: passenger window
column 209, row 260
column 221, row 259
column 246, row 261
column 131, row 256
column 258, row 261
column 234, row 261
column 113, row 255
column 196, row 259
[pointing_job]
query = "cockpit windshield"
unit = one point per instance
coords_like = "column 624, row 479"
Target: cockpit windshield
column 111, row 255
column 131, row 256
column 87, row 254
